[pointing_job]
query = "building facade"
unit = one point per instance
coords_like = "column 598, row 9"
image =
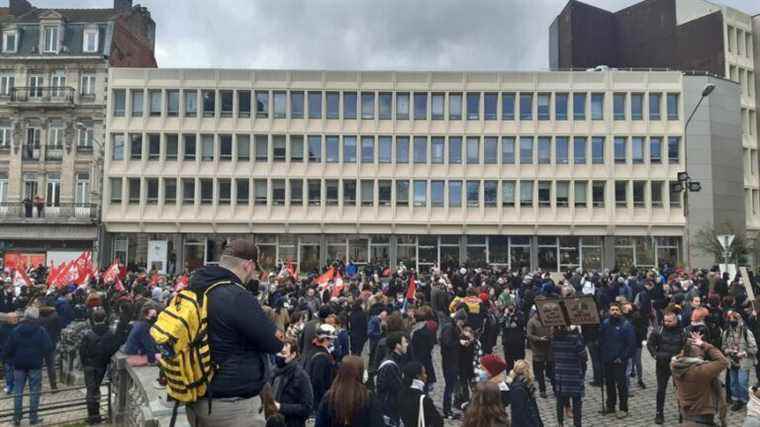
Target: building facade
column 552, row 170
column 53, row 79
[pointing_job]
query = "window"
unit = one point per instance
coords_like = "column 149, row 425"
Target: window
column 368, row 149
column 331, row 192
column 473, row 150
column 490, row 150
column 115, row 184
column 543, row 101
column 191, row 103
column 473, row 106
column 172, row 103
column 227, row 98
column 655, row 149
column 526, row 150
column 333, row 149
column 368, row 105
column 597, row 193
column 579, row 106
column 262, row 104
column 224, row 191
column 384, row 192
column 333, row 105
column 207, row 148
column 490, row 193
column 508, row 194
column 296, row 148
column 579, row 150
column 420, row 149
column 526, row 193
column 10, row 39
column 674, row 143
column 135, row 146
column 473, row 194
column 261, row 148
column 621, row 194
column 349, row 149
column 154, row 146
column 508, row 150
column 455, row 150
column 278, row 192
column 242, row 191
column 315, row 105
column 580, row 189
column 137, row 102
column 402, row 106
column 437, row 101
column 87, row 86
column 655, row 99
column 437, row 149
column 562, row 155
column 279, row 148
column 672, row 106
column 507, row 106
column 243, row 147
column 544, row 194
column 296, row 105
column 349, row 105
column 90, row 40
column 260, row 191
column 368, row 192
column 315, row 148
column 562, row 194
column 51, row 39
column 637, row 106
column 560, row 106
column 455, row 194
column 189, row 149
column 296, row 192
column 618, row 106
column 7, row 82
column 134, row 190
column 402, row 149
column 526, row 106
column 402, row 193
column 209, row 102
column 597, row 150
column 155, row 102
column 656, row 188
column 385, row 105
column 117, row 146
column 637, row 147
column 620, row 149
column 490, row 101
column 5, row 136
column 244, row 103
column 436, row 194
column 545, row 150
column 638, row 194
column 455, row 106
column 280, row 101
column 420, row 106
column 82, row 192
column 188, row 191
column 384, row 149
column 314, row 189
column 349, row 192
column 597, row 106
column 225, row 148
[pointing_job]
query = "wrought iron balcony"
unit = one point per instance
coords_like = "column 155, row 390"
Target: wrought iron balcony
column 47, row 96
column 42, row 213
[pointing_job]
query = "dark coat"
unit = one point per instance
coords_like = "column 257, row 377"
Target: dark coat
column 409, row 408
column 292, row 390
column 389, row 385
column 139, row 341
column 664, row 343
column 450, row 349
column 97, row 346
column 513, row 335
column 369, row 415
column 27, row 346
column 357, row 325
column 321, row 370
column 53, row 327
column 421, row 346
column 569, row 364
column 617, row 340
column 523, row 403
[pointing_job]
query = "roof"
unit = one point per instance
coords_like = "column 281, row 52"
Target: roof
column 71, row 15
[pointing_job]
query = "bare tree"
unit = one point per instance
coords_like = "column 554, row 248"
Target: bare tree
column 742, row 249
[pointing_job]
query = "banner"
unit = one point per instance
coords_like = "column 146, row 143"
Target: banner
column 582, row 310
column 157, row 255
column 550, row 312
column 22, row 261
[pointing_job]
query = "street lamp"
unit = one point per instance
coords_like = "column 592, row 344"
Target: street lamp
column 684, row 182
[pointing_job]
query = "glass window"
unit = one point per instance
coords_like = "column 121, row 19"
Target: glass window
column 436, row 149
column 224, row 188
column 349, row 105
column 189, row 149
column 385, row 147
column 314, row 190
column 620, row 149
column 402, row 193
column 278, row 192
column 225, row 147
column 597, row 193
column 135, row 146
column 508, row 194
column 544, row 194
column 227, row 97
column 244, row 103
column 508, row 150
column 579, row 150
column 137, row 102
column 296, row 105
column 437, row 106
column 209, row 102
column 402, row 106
column 207, row 191
column 637, row 106
column 490, row 150
column 384, row 192
column 526, row 150
column 655, row 149
column 115, row 190
column 563, row 150
column 672, row 106
column 526, row 193
column 455, row 150
column 420, row 149
column 455, row 106
column 545, row 150
column 279, row 148
column 172, row 103
column 490, row 193
column 261, row 148
column 349, row 192
column 490, row 102
column 579, row 106
column 473, row 150
column 119, row 102
column 597, row 106
column 402, row 149
column 656, row 194
column 368, row 192
column 507, row 106
column 562, row 195
column 618, row 106
column 560, row 106
column 436, row 194
column 638, row 194
column 420, row 193
column 597, row 150
column 581, row 196
column 332, row 148
column 385, row 105
column 674, row 143
column 473, row 194
column 368, row 149
column 473, row 106
column 280, row 100
column 420, row 106
column 207, row 148
column 543, row 106
column 296, row 148
column 315, row 105
column 243, row 148
column 621, row 194
column 315, row 148
column 349, row 149
column 368, row 105
column 455, row 194
column 242, row 191
column 333, row 105
column 260, row 191
column 655, row 99
column 637, row 147
column 262, row 104
column 675, row 197
column 188, row 191
column 526, row 106
column 117, row 144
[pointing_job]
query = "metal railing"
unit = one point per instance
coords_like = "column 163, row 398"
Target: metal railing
column 66, row 409
column 54, row 152
column 43, row 94
column 28, row 210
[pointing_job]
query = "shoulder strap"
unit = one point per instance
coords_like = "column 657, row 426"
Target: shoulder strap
column 386, row 362
column 421, row 414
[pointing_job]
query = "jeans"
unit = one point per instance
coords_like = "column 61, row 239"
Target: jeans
column 633, row 367
column 50, row 365
column 20, row 377
column 93, row 377
column 539, row 367
column 450, row 379
column 596, row 364
column 8, row 371
column 234, row 412
column 663, row 375
column 739, row 384
column 577, row 402
column 614, row 376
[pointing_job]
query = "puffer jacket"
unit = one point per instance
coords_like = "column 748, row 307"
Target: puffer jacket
column 664, row 343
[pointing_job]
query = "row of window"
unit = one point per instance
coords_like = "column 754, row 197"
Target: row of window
column 401, row 105
column 57, row 84
column 48, row 186
column 417, row 193
column 746, row 79
column 740, row 42
column 369, row 149
column 56, row 134
column 51, row 38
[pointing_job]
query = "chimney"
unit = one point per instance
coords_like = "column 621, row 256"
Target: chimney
column 122, row 4
column 19, row 7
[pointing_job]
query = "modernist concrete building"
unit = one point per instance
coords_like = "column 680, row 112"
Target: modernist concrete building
column 528, row 169
column 53, row 79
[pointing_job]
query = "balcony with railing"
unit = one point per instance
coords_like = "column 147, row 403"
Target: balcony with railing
column 42, row 96
column 29, row 212
column 30, row 152
column 54, row 153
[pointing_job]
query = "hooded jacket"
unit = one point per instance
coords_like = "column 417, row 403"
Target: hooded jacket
column 740, row 339
column 240, row 334
column 97, row 346
column 698, row 389
column 27, row 345
column 292, row 389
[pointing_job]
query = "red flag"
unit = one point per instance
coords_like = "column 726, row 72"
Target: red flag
column 292, row 269
column 326, row 277
column 112, row 275
column 21, row 279
column 387, row 272
column 154, row 279
column 412, row 288
column 338, row 286
column 182, row 282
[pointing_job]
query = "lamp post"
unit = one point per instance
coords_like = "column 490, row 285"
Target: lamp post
column 684, row 182
column 95, row 194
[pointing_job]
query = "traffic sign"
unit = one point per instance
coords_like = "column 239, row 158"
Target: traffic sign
column 725, row 240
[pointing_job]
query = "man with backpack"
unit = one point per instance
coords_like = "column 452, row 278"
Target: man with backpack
column 321, row 364
column 97, row 347
column 389, row 384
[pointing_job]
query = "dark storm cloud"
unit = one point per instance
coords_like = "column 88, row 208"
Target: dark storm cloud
column 358, row 34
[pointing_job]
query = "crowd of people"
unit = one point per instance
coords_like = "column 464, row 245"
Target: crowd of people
column 356, row 347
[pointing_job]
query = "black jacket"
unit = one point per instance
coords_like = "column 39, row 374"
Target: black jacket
column 321, row 370
column 409, row 408
column 523, row 403
column 357, row 324
column 389, row 385
column 97, row 346
column 421, row 347
column 450, row 347
column 240, row 335
column 292, row 390
column 664, row 343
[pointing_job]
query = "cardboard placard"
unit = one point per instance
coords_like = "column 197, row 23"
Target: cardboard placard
column 582, row 310
column 747, row 284
column 551, row 312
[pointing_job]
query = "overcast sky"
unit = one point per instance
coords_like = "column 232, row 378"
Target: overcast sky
column 357, row 34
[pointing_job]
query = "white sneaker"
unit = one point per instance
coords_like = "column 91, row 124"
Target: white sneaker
column 7, row 390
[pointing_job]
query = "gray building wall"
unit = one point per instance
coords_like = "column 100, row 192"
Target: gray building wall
column 713, row 144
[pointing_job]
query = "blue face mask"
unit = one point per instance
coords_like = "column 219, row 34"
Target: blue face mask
column 482, row 375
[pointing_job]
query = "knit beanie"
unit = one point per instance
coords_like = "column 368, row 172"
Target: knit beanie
column 493, row 364
column 699, row 315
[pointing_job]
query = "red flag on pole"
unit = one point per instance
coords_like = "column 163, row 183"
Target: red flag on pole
column 112, row 276
column 412, row 288
column 338, row 286
column 326, row 277
column 21, row 279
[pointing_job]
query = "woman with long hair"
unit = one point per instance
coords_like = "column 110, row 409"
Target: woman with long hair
column 486, row 408
column 348, row 402
column 522, row 397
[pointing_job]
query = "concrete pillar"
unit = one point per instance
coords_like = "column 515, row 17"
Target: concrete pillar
column 608, row 260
